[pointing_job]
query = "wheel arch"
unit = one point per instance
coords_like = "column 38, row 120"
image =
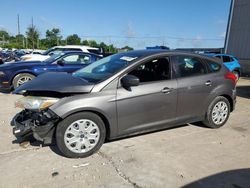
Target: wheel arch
column 230, row 100
column 22, row 72
column 101, row 115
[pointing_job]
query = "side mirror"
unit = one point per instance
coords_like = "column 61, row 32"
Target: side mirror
column 60, row 62
column 129, row 81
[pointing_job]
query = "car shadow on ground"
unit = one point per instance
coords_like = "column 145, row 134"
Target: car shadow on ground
column 54, row 148
column 243, row 91
column 239, row 178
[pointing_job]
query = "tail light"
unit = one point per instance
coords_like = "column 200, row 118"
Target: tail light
column 229, row 75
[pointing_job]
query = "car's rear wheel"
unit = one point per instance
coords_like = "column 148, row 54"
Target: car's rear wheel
column 218, row 112
column 80, row 135
column 22, row 78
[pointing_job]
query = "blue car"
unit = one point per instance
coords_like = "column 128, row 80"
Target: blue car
column 12, row 75
column 230, row 62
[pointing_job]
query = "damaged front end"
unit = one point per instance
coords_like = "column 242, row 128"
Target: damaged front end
column 40, row 124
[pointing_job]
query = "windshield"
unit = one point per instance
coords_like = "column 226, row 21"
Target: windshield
column 47, row 51
column 52, row 51
column 105, row 68
column 53, row 58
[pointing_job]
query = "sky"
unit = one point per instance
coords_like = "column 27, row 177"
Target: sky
column 137, row 23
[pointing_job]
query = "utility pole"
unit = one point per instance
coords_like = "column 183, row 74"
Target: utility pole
column 32, row 26
column 18, row 25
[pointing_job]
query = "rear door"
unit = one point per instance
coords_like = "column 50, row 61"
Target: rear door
column 152, row 103
column 74, row 62
column 194, row 85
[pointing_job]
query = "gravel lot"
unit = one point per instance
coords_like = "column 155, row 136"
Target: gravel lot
column 189, row 156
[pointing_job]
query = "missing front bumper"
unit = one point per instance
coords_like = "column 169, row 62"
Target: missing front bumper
column 39, row 124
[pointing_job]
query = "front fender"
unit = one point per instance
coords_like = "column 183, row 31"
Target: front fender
column 101, row 103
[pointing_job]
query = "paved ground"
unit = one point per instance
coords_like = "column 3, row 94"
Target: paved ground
column 189, row 156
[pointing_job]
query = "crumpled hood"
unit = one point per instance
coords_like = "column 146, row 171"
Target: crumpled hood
column 56, row 82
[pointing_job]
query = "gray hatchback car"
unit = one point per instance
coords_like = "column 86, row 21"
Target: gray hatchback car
column 124, row 94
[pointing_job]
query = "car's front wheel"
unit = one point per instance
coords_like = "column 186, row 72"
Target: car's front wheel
column 22, row 78
column 218, row 112
column 80, row 135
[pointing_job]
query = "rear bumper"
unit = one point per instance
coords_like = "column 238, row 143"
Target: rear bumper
column 39, row 124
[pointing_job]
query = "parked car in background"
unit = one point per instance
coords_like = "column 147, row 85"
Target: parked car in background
column 230, row 62
column 124, row 94
column 58, row 49
column 15, row 74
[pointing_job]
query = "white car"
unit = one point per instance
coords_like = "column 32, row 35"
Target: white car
column 59, row 49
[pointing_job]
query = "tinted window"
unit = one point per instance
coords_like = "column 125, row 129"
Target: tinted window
column 76, row 59
column 72, row 49
column 213, row 67
column 219, row 57
column 226, row 59
column 155, row 70
column 94, row 51
column 188, row 66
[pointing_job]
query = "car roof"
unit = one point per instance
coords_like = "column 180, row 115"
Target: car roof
column 150, row 52
column 76, row 46
column 214, row 54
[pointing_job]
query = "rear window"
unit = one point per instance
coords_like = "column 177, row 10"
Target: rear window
column 226, row 59
column 213, row 66
column 94, row 51
column 72, row 49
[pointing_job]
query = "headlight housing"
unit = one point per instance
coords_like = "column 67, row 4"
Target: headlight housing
column 2, row 73
column 35, row 103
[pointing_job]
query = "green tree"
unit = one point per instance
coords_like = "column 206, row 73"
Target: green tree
column 53, row 37
column 4, row 35
column 85, row 42
column 93, row 43
column 32, row 37
column 73, row 39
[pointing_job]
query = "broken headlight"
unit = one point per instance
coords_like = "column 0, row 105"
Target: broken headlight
column 35, row 103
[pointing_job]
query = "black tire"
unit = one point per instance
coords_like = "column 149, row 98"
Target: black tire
column 64, row 124
column 208, row 118
column 237, row 74
column 20, row 76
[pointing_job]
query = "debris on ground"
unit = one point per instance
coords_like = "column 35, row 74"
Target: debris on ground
column 55, row 174
column 129, row 146
column 24, row 144
column 81, row 165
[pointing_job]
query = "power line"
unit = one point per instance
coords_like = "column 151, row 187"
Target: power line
column 150, row 37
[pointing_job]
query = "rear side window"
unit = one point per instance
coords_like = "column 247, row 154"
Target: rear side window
column 94, row 51
column 226, row 59
column 72, row 49
column 213, row 66
column 185, row 66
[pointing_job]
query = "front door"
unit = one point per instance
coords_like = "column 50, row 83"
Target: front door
column 152, row 103
column 74, row 62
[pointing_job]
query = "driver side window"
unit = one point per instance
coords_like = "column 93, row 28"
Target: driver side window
column 76, row 59
column 154, row 70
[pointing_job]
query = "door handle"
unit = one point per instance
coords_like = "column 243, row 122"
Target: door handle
column 166, row 90
column 208, row 83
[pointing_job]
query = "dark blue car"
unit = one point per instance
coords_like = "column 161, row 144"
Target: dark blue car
column 12, row 75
